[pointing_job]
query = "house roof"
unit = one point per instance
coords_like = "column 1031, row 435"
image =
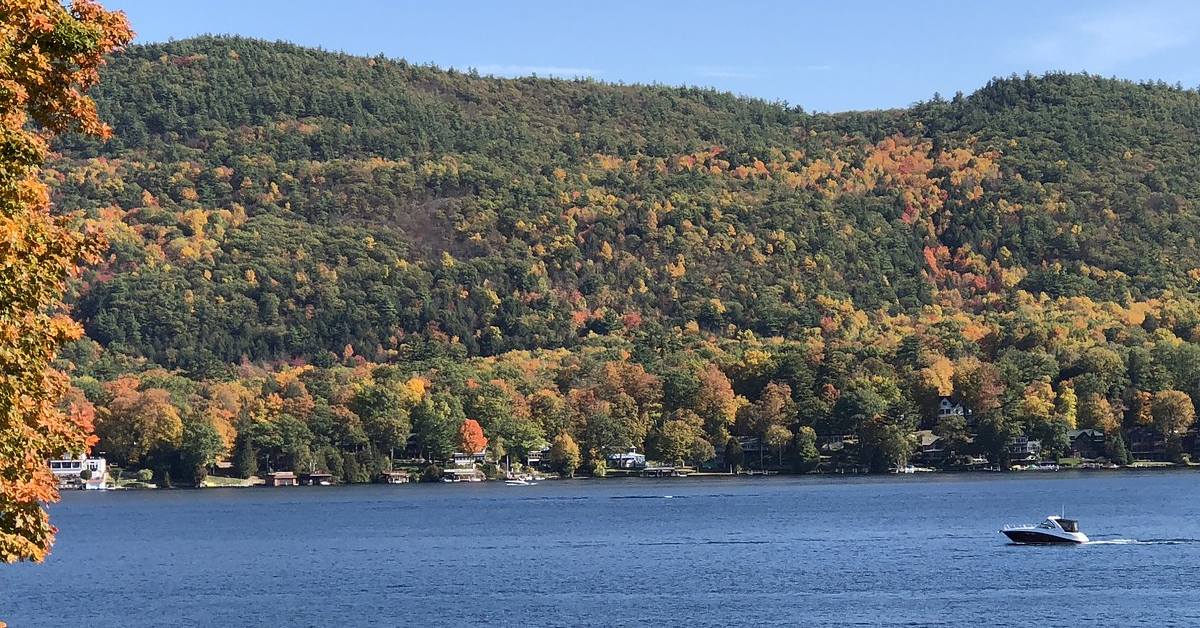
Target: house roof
column 926, row 438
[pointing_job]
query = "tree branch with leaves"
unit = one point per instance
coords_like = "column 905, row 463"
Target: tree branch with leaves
column 49, row 57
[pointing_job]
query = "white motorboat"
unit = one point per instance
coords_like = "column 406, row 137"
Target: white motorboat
column 1054, row 530
column 521, row 482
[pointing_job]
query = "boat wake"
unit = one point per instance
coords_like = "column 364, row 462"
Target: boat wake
column 1144, row 542
column 655, row 543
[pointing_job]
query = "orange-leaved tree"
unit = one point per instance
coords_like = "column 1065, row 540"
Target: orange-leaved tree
column 49, row 57
column 471, row 438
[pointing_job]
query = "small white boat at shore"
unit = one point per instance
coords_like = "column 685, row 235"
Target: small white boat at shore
column 1037, row 467
column 912, row 469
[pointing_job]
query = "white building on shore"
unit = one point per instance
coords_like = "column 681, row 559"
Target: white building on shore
column 81, row 472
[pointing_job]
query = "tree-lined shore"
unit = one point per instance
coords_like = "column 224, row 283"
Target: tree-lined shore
column 313, row 257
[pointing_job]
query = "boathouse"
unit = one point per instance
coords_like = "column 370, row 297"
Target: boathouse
column 316, row 479
column 281, row 478
column 394, row 477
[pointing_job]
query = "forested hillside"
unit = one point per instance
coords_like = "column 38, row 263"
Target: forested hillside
column 312, row 255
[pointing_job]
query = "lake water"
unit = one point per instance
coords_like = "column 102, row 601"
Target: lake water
column 917, row 550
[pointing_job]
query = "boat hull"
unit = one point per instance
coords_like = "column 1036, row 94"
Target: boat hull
column 1033, row 537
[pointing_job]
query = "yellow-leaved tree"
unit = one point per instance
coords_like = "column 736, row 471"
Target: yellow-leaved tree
column 49, row 57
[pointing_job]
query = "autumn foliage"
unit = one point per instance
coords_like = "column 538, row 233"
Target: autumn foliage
column 470, row 437
column 310, row 286
column 49, row 56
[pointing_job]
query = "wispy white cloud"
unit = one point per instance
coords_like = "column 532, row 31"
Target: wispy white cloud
column 1108, row 38
column 726, row 72
column 540, row 70
column 733, row 72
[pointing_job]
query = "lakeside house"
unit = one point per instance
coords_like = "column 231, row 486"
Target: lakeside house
column 1146, row 443
column 930, row 449
column 751, row 447
column 832, row 444
column 534, row 459
column 1086, row 443
column 952, row 407
column 840, row 454
column 412, row 448
column 461, row 459
column 757, row 454
column 628, row 460
column 1024, row 450
column 81, row 472
column 281, row 478
column 928, row 443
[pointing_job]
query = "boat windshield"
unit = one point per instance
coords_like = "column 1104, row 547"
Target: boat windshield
column 1068, row 525
column 1048, row 525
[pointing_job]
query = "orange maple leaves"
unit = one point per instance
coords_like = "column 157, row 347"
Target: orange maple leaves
column 49, row 57
column 470, row 437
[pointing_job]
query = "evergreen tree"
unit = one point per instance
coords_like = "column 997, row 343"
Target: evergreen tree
column 1115, row 449
column 806, row 456
column 351, row 474
column 245, row 460
column 734, row 454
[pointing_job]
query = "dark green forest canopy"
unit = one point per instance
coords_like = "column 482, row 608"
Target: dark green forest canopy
column 270, row 202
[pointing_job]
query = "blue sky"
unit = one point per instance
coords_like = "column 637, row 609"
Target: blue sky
column 823, row 56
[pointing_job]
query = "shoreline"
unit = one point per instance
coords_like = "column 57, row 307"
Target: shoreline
column 695, row 477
